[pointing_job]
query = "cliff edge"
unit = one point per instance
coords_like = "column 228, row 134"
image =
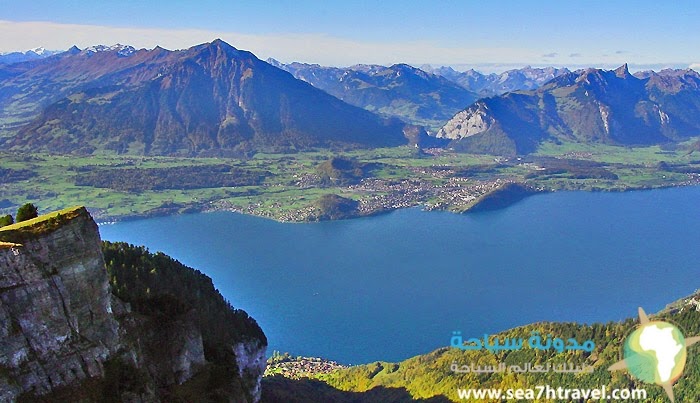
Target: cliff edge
column 70, row 331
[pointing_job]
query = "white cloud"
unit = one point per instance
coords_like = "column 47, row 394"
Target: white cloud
column 311, row 48
column 25, row 35
column 695, row 66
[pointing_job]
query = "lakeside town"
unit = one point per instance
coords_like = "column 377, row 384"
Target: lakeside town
column 299, row 367
column 429, row 188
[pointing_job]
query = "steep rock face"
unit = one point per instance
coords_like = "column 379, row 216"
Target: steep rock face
column 469, row 122
column 61, row 325
column 251, row 363
column 171, row 352
column 55, row 309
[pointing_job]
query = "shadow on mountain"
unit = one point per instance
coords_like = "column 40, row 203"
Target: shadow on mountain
column 278, row 389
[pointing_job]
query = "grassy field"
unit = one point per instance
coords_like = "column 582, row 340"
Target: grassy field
column 401, row 177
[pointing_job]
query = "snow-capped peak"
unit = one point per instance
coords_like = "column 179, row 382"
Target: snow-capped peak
column 39, row 51
column 122, row 50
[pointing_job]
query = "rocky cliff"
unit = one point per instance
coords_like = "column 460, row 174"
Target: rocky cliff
column 64, row 334
column 55, row 308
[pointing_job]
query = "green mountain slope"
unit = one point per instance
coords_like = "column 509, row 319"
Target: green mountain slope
column 431, row 376
column 589, row 106
column 211, row 99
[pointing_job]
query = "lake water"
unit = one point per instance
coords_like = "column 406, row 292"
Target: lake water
column 397, row 285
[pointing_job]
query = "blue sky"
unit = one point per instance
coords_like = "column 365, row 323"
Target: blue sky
column 489, row 35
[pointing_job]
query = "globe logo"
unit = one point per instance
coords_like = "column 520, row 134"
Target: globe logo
column 655, row 353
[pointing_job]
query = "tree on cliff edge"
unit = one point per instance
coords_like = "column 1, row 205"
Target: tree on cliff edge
column 6, row 220
column 27, row 212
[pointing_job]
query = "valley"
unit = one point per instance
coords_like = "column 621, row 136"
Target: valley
column 289, row 187
column 141, row 133
column 256, row 202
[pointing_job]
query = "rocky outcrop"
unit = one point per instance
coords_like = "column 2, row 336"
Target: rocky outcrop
column 251, row 363
column 471, row 121
column 61, row 326
column 171, row 351
column 56, row 322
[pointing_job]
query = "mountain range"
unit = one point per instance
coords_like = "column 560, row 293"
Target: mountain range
column 586, row 106
column 527, row 78
column 32, row 54
column 211, row 99
column 402, row 91
column 215, row 100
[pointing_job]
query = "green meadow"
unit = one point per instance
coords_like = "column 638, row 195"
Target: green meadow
column 287, row 186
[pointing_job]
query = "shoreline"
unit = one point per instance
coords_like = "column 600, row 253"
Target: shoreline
column 688, row 302
column 649, row 196
column 471, row 208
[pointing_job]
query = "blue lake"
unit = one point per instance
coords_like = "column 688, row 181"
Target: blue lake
column 397, row 285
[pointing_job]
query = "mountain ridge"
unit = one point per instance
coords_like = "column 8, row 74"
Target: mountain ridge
column 210, row 99
column 215, row 100
column 27, row 55
column 399, row 90
column 586, row 106
column 526, row 78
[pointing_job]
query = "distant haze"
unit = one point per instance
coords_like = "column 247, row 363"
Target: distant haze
column 487, row 36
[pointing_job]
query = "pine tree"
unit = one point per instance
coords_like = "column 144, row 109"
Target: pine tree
column 6, row 220
column 27, row 212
